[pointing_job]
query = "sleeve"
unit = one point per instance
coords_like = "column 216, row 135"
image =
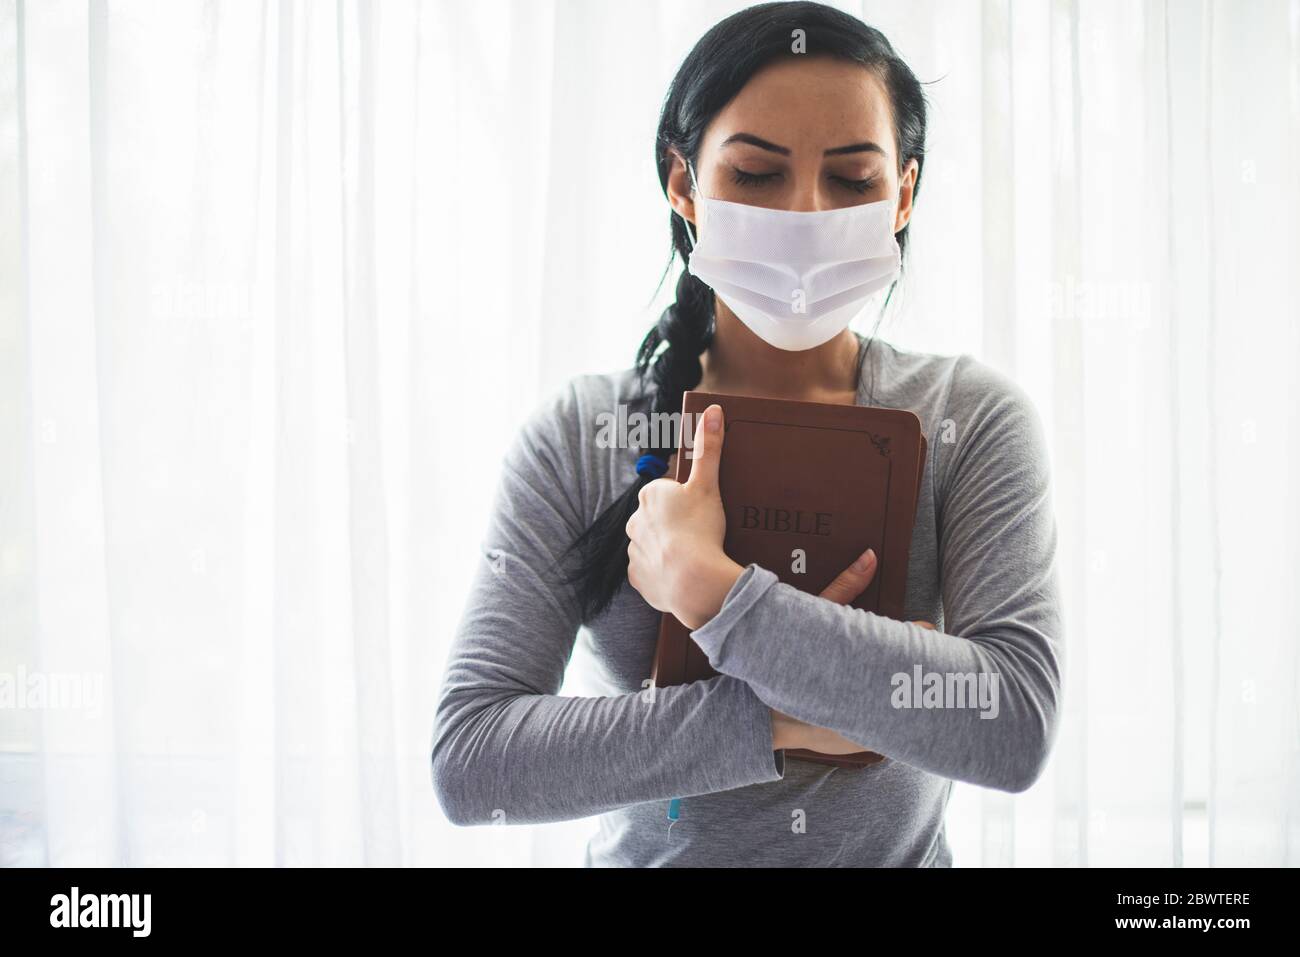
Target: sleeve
column 506, row 747
column 864, row 675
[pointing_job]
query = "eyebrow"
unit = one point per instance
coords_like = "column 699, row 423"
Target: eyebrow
column 752, row 140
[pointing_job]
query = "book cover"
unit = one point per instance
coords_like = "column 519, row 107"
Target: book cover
column 807, row 487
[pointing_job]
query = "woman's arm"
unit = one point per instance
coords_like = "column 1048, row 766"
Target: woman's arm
column 506, row 747
column 835, row 666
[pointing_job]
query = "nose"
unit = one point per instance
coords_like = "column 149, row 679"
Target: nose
column 806, row 196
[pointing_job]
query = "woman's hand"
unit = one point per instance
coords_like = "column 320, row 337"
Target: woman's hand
column 790, row 732
column 674, row 556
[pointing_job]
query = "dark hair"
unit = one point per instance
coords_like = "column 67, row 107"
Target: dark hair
column 715, row 70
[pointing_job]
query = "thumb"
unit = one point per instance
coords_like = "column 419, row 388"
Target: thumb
column 706, row 452
column 853, row 581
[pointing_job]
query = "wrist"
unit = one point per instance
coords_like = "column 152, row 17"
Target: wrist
column 705, row 587
column 781, row 731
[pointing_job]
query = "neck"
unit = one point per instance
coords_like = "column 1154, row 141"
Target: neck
column 738, row 362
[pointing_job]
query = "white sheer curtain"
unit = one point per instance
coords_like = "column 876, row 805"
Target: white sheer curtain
column 279, row 281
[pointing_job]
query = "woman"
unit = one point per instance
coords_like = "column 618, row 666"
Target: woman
column 783, row 108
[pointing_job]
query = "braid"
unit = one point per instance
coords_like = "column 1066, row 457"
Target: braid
column 686, row 328
column 668, row 362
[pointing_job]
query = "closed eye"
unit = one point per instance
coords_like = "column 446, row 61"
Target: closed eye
column 744, row 178
column 857, row 185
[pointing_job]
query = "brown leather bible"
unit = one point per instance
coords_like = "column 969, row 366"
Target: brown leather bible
column 807, row 487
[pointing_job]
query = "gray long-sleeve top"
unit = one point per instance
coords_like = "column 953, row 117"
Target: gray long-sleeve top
column 507, row 748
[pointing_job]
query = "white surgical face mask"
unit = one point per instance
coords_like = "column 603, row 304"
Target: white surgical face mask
column 796, row 279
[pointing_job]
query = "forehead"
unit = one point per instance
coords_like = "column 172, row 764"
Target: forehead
column 809, row 102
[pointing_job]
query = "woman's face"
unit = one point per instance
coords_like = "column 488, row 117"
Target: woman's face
column 804, row 134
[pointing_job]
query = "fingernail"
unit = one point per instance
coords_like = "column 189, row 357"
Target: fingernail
column 712, row 415
column 864, row 561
